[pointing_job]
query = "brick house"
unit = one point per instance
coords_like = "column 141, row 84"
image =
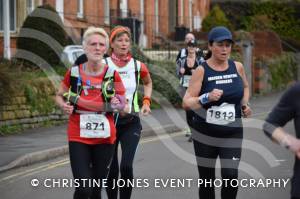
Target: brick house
column 19, row 9
column 146, row 17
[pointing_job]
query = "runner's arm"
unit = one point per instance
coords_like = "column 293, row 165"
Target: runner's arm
column 282, row 113
column 246, row 110
column 241, row 71
column 147, row 81
column 191, row 97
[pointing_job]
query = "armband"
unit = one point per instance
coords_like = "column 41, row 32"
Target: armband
column 203, row 99
column 147, row 100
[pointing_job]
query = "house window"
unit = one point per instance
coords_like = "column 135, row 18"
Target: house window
column 29, row 6
column 12, row 15
column 80, row 8
column 106, row 12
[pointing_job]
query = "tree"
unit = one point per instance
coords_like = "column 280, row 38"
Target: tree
column 42, row 35
column 216, row 17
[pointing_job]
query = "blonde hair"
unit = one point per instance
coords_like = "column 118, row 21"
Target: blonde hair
column 93, row 30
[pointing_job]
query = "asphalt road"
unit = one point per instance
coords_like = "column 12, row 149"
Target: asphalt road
column 168, row 162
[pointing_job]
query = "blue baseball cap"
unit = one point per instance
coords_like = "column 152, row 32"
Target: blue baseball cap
column 219, row 33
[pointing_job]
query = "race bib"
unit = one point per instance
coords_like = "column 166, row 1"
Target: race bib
column 185, row 80
column 221, row 115
column 94, row 126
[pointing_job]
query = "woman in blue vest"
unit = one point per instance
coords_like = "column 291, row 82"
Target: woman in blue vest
column 127, row 123
column 219, row 93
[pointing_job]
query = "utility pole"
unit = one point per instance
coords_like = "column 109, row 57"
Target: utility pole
column 6, row 30
column 247, row 48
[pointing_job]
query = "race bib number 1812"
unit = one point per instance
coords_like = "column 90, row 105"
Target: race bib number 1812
column 221, row 115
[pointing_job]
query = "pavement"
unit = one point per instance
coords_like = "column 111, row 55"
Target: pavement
column 41, row 144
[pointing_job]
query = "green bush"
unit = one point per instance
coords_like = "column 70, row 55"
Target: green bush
column 283, row 70
column 279, row 16
column 41, row 35
column 259, row 22
column 39, row 94
column 216, row 17
column 5, row 78
column 139, row 55
column 165, row 83
column 7, row 130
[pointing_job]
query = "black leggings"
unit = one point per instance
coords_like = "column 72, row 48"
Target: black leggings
column 89, row 162
column 295, row 198
column 207, row 150
column 128, row 135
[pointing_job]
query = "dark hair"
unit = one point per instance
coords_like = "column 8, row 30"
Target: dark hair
column 207, row 55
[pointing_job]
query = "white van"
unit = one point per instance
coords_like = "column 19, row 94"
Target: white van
column 71, row 53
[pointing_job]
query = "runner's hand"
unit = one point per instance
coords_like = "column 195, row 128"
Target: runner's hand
column 67, row 109
column 294, row 145
column 215, row 95
column 246, row 110
column 118, row 102
column 145, row 110
column 182, row 70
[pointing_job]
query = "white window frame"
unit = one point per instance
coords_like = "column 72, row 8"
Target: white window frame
column 60, row 8
column 156, row 7
column 106, row 12
column 191, row 15
column 80, row 8
column 124, row 8
column 15, row 17
column 181, row 12
column 29, row 6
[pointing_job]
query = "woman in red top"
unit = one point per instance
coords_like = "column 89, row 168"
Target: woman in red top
column 91, row 129
column 128, row 125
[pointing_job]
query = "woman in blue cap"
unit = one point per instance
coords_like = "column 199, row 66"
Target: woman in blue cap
column 219, row 93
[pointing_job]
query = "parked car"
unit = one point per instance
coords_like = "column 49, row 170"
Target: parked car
column 71, row 53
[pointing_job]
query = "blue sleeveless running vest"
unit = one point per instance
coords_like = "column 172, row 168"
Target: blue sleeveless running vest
column 229, row 81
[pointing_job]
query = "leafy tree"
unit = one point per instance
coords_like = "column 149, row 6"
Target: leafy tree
column 216, row 17
column 42, row 35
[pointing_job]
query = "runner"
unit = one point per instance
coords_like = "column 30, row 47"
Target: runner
column 91, row 129
column 185, row 68
column 287, row 109
column 128, row 125
column 184, row 51
column 223, row 89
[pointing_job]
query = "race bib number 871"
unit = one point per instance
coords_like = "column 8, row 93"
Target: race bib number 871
column 221, row 115
column 94, row 126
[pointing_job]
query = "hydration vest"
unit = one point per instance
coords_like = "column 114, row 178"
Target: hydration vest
column 135, row 65
column 76, row 81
